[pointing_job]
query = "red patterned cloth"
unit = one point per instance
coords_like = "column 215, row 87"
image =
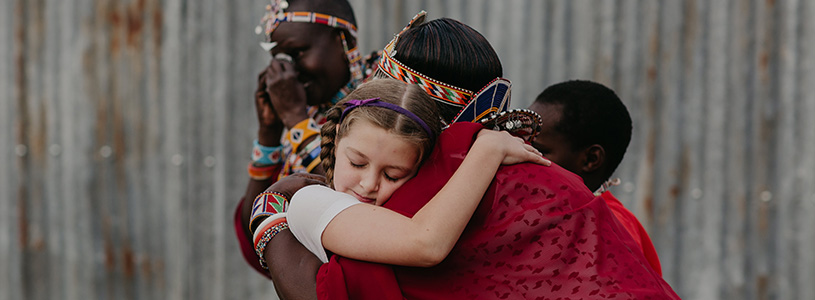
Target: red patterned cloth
column 633, row 226
column 537, row 234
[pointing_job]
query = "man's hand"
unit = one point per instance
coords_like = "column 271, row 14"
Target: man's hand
column 271, row 126
column 263, row 104
column 287, row 95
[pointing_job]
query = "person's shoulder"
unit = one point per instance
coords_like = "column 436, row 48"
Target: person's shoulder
column 621, row 212
column 458, row 137
column 609, row 197
column 533, row 176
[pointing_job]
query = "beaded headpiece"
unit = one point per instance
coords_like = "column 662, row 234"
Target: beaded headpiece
column 489, row 107
column 438, row 90
column 491, row 99
column 520, row 122
column 276, row 14
column 352, row 104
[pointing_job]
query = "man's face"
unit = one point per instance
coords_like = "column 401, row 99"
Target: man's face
column 319, row 58
column 551, row 143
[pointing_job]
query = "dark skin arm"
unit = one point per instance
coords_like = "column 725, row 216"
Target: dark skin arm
column 292, row 266
column 280, row 102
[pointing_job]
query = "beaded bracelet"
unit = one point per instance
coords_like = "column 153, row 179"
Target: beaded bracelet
column 267, row 204
column 271, row 220
column 261, row 172
column 268, row 232
column 264, row 155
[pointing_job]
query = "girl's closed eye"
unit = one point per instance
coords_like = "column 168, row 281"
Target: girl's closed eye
column 393, row 179
column 356, row 160
column 395, row 174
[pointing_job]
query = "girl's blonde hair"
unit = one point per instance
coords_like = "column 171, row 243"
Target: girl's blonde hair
column 409, row 97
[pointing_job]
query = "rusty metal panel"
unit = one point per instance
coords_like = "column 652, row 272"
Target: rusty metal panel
column 125, row 127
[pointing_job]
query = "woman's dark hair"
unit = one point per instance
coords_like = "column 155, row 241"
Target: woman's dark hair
column 451, row 52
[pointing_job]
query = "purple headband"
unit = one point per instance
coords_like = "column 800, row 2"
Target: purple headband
column 351, row 104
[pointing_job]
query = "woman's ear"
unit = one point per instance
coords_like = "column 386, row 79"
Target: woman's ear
column 594, row 157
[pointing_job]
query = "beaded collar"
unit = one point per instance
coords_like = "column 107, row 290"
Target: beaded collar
column 275, row 14
column 606, row 185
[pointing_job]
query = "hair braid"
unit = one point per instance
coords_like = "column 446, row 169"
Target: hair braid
column 328, row 134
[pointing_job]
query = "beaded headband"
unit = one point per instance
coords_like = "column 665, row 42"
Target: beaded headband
column 439, row 90
column 352, row 104
column 275, row 14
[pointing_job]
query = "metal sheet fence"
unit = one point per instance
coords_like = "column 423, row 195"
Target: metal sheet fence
column 125, row 127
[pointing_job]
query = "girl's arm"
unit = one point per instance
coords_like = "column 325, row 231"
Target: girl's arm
column 377, row 234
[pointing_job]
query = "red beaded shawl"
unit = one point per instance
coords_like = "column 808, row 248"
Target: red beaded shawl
column 539, row 233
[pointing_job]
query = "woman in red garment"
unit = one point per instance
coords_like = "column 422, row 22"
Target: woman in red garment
column 537, row 233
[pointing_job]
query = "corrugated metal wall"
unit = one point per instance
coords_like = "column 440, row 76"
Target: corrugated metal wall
column 125, row 127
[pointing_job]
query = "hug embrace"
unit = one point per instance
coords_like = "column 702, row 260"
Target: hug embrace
column 415, row 196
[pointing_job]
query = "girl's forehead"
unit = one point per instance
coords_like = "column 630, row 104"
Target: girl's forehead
column 371, row 140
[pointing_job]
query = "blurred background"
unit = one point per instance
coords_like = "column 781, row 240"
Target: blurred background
column 126, row 127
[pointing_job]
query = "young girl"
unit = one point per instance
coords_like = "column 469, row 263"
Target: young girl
column 373, row 142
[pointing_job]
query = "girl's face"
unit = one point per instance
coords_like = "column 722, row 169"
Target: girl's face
column 372, row 163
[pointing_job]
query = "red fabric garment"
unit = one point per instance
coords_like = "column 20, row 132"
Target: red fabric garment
column 633, row 226
column 538, row 234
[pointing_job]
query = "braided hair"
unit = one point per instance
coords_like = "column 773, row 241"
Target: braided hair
column 409, row 97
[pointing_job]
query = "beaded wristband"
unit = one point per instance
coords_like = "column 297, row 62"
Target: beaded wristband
column 261, row 172
column 272, row 220
column 263, row 155
column 267, row 204
column 268, row 232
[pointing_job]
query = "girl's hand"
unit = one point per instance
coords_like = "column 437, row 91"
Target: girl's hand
column 513, row 150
